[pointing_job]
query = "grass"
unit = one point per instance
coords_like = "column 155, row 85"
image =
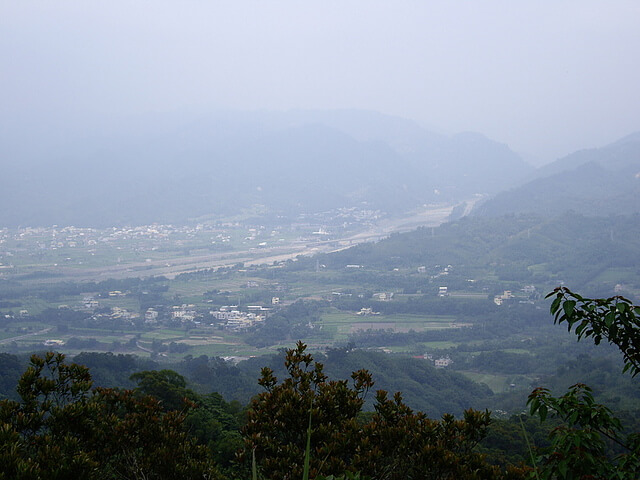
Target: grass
column 221, row 350
column 470, row 296
column 310, row 287
column 33, row 305
column 102, row 331
column 28, row 325
column 342, row 324
column 539, row 269
column 10, row 334
column 443, row 345
column 128, row 303
column 531, row 454
column 616, row 275
column 404, row 349
column 517, row 350
column 163, row 335
column 498, row 383
column 337, row 317
column 211, row 342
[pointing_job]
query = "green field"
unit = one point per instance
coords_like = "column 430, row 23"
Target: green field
column 342, row 324
column 620, row 275
column 499, row 383
column 443, row 345
column 468, row 295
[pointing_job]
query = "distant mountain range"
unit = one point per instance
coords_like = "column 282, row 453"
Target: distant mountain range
column 599, row 181
column 160, row 168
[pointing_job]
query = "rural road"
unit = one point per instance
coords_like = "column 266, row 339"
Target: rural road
column 20, row 337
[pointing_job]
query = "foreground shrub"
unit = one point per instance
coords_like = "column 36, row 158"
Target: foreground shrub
column 396, row 443
column 61, row 429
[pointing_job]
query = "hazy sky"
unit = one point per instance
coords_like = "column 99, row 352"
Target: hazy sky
column 545, row 77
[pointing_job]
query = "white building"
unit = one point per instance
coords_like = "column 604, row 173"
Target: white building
column 151, row 316
column 383, row 296
column 443, row 362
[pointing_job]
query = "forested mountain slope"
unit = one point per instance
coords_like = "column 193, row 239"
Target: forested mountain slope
column 600, row 181
column 424, row 387
column 570, row 248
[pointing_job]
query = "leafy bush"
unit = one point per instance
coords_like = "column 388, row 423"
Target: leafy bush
column 590, row 442
column 61, row 429
column 395, row 443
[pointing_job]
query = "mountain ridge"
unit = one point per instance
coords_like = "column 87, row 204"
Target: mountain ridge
column 597, row 181
column 223, row 162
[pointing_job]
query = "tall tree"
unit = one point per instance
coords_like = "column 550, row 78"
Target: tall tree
column 396, row 443
column 62, row 429
column 590, row 442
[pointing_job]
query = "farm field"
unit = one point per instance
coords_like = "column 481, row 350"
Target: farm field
column 500, row 383
column 343, row 324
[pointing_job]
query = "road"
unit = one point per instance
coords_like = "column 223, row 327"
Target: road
column 20, row 337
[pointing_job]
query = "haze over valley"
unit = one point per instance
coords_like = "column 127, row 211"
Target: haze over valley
column 229, row 162
column 212, row 215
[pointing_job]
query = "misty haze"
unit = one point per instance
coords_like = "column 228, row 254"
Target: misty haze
column 227, row 230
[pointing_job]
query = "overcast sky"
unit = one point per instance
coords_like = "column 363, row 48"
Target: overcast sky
column 545, row 77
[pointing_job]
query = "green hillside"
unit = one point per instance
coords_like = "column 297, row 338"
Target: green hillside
column 602, row 181
column 589, row 252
